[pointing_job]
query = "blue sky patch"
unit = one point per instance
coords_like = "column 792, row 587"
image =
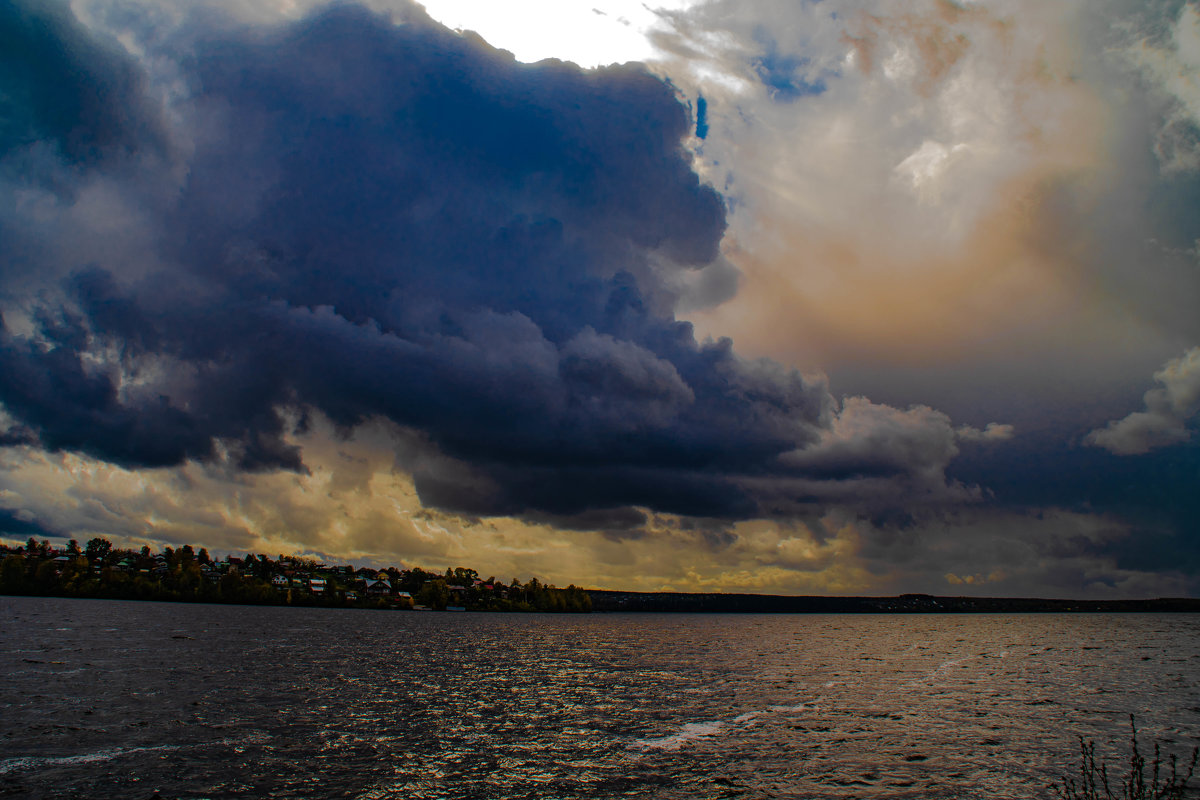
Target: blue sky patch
column 784, row 74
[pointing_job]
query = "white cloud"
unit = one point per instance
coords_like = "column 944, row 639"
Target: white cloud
column 1175, row 69
column 589, row 34
column 875, row 440
column 955, row 203
column 1169, row 409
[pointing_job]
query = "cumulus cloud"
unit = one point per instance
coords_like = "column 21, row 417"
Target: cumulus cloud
column 65, row 90
column 367, row 216
column 1170, row 409
column 867, row 439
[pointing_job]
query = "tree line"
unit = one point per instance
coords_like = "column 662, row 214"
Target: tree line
column 186, row 574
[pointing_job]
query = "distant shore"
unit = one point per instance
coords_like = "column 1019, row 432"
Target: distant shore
column 613, row 601
column 186, row 574
column 607, row 601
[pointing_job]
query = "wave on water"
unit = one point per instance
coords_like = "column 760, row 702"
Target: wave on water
column 695, row 731
column 793, row 709
column 690, row 732
column 40, row 762
column 938, row 674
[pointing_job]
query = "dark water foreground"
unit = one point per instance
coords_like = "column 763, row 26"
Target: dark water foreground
column 122, row 699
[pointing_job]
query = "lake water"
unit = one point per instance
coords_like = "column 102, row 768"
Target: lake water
column 108, row 699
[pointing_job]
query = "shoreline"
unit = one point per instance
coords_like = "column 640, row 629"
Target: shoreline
column 716, row 603
column 604, row 601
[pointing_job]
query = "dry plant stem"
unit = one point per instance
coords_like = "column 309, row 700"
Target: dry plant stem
column 1093, row 777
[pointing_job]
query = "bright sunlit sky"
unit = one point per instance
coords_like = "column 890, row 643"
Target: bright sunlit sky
column 824, row 297
column 589, row 34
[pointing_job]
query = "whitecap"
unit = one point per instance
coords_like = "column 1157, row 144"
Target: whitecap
column 792, row 709
column 37, row 762
column 690, row 732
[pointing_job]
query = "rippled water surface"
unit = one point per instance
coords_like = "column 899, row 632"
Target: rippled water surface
column 117, row 699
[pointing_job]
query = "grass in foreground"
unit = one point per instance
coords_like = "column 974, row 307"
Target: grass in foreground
column 1143, row 782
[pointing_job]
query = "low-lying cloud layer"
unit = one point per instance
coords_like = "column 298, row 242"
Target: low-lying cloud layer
column 357, row 503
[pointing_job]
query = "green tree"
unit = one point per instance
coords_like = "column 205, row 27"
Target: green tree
column 189, row 580
column 434, row 594
column 74, row 577
column 46, row 576
column 465, row 577
column 13, row 576
column 97, row 549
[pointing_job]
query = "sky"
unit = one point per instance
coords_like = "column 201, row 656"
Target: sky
column 838, row 297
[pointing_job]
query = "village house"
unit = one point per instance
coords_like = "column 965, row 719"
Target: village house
column 379, row 587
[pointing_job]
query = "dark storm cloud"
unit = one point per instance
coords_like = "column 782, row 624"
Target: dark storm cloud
column 614, row 522
column 1153, row 494
column 1146, row 480
column 16, row 524
column 48, row 386
column 394, row 220
column 61, row 87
